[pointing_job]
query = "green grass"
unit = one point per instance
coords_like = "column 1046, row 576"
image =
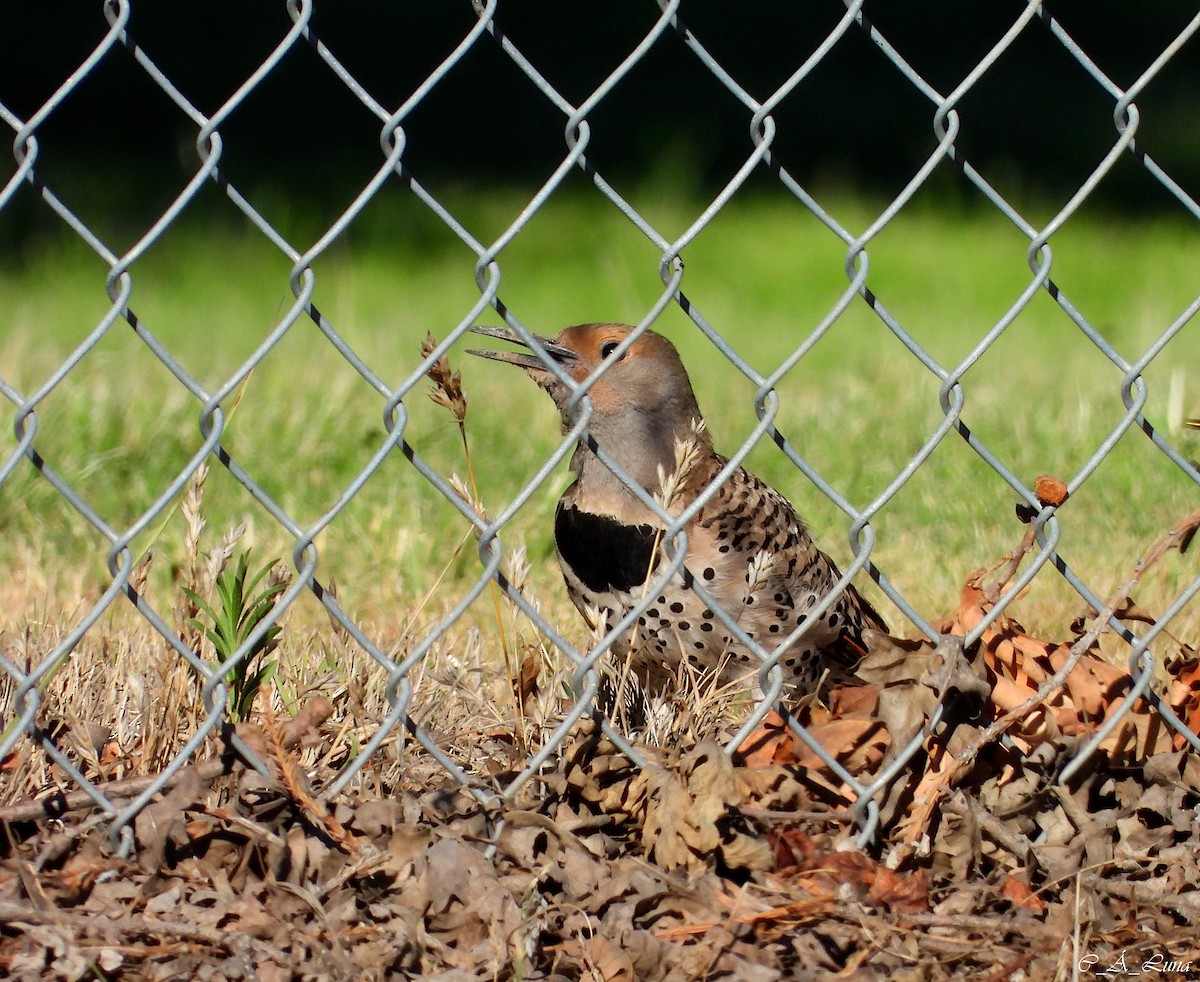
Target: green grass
column 858, row 407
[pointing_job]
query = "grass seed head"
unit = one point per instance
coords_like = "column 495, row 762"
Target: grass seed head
column 447, row 390
column 218, row 559
column 687, row 455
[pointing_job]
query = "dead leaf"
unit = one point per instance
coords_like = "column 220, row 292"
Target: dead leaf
column 899, row 894
column 771, row 743
column 527, row 683
column 1020, row 894
column 1050, row 490
column 608, row 961
column 689, row 815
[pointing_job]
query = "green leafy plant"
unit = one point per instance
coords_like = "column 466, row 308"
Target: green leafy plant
column 237, row 611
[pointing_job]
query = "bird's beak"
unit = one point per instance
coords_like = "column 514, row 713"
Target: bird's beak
column 564, row 356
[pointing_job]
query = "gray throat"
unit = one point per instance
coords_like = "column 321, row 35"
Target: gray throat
column 643, row 451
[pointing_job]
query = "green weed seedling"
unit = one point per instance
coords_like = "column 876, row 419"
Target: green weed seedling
column 237, row 612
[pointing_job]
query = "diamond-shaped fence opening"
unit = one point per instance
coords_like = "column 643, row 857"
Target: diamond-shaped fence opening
column 149, row 427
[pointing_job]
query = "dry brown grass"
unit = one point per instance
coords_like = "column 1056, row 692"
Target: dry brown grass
column 123, row 703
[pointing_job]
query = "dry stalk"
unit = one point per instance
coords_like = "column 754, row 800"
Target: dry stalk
column 130, row 787
column 170, row 706
column 1178, row 538
column 1008, row 566
column 447, row 392
column 191, row 568
column 340, row 633
column 192, row 574
column 134, row 925
column 141, row 572
column 285, row 763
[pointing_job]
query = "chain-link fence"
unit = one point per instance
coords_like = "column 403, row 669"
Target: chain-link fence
column 24, row 725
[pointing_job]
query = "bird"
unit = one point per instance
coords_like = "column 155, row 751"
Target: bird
column 746, row 546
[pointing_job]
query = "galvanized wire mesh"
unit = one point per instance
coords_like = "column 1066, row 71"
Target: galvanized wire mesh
column 25, row 725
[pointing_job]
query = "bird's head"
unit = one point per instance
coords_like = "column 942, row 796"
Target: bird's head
column 646, row 380
column 641, row 405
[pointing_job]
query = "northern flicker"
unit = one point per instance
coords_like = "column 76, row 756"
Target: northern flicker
column 746, row 546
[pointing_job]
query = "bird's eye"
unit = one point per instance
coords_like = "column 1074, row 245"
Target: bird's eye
column 607, row 348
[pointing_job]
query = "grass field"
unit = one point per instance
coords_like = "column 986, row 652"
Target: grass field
column 764, row 273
